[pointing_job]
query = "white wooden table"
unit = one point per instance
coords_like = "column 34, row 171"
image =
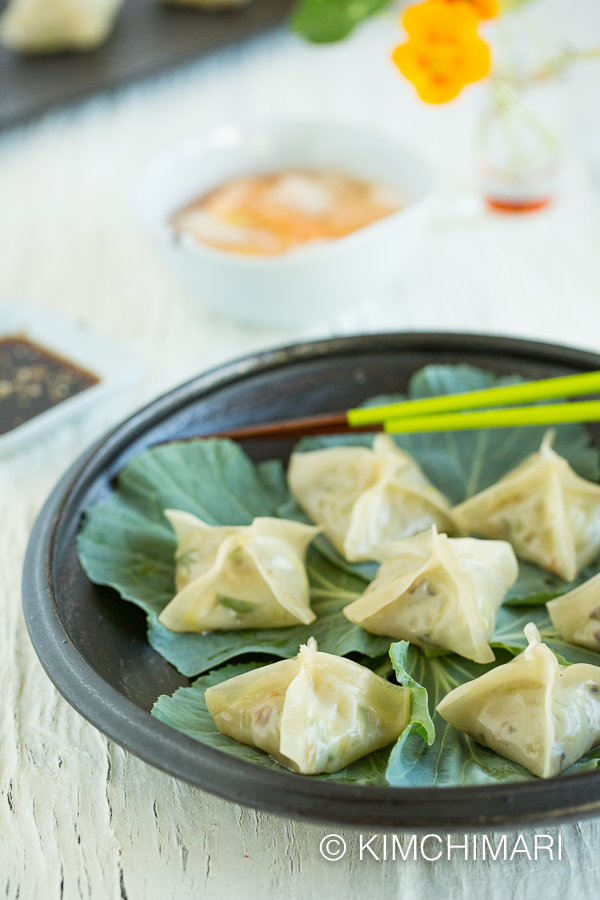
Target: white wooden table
column 79, row 817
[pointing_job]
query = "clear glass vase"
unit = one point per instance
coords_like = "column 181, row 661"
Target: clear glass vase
column 520, row 144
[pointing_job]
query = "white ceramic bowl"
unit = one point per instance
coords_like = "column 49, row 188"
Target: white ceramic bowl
column 115, row 366
column 309, row 283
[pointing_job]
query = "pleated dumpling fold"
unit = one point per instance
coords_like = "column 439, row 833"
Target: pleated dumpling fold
column 439, row 593
column 236, row 577
column 576, row 615
column 531, row 710
column 363, row 497
column 549, row 514
column 314, row 713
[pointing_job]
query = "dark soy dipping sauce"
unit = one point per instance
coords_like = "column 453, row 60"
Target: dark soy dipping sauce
column 33, row 380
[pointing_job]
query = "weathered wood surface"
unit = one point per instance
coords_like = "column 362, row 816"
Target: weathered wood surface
column 79, row 817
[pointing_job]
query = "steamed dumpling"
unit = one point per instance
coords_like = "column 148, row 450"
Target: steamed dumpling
column 236, row 577
column 531, row 710
column 51, row 26
column 439, row 592
column 364, row 498
column 314, row 713
column 549, row 514
column 576, row 615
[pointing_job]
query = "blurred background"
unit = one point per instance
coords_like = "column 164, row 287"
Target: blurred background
column 70, row 240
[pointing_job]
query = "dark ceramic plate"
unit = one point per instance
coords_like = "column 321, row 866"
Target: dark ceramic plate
column 148, row 37
column 93, row 645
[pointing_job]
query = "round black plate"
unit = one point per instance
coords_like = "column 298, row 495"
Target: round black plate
column 93, row 645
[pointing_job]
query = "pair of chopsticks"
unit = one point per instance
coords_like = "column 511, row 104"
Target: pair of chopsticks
column 450, row 412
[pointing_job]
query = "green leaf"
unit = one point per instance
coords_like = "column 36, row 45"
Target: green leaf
column 462, row 463
column 331, row 590
column 535, row 587
column 128, row 544
column 429, row 753
column 453, row 758
column 365, row 570
column 587, row 763
column 186, row 711
column 420, row 720
column 130, row 551
column 420, row 725
column 509, row 635
column 324, row 21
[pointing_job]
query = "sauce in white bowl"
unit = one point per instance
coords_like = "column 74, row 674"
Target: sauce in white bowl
column 276, row 212
column 314, row 279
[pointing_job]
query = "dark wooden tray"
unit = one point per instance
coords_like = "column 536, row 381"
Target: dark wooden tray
column 94, row 647
column 149, row 36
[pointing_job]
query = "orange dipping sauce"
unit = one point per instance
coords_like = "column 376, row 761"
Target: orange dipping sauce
column 273, row 213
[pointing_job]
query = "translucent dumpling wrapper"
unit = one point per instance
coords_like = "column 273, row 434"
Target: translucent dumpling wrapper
column 363, row 498
column 314, row 713
column 549, row 514
column 236, row 577
column 439, row 592
column 576, row 615
column 531, row 710
column 51, row 26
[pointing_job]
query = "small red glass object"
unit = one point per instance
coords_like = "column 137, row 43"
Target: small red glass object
column 520, row 146
column 517, row 206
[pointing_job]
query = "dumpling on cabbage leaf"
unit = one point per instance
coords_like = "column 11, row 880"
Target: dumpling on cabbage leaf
column 236, row 577
column 576, row 615
column 549, row 514
column 315, row 713
column 439, row 593
column 531, row 710
column 364, row 497
column 52, row 26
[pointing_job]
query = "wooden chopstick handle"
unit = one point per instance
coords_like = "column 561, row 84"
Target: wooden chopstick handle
column 328, row 423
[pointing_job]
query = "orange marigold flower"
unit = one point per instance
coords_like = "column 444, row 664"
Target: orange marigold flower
column 444, row 51
column 485, row 9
